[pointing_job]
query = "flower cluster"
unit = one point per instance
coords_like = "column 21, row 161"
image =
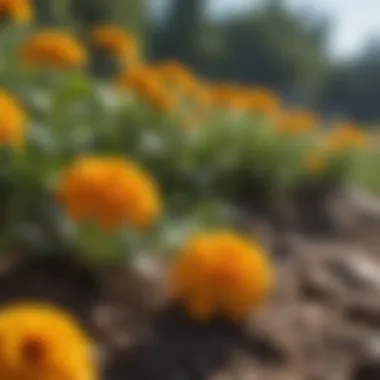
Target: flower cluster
column 149, row 87
column 295, row 122
column 116, row 42
column 345, row 137
column 53, row 48
column 110, row 191
column 221, row 274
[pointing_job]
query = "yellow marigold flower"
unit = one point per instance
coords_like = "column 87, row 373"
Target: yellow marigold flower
column 53, row 48
column 110, row 191
column 295, row 122
column 148, row 86
column 18, row 11
column 13, row 121
column 221, row 274
column 345, row 137
column 41, row 342
column 115, row 41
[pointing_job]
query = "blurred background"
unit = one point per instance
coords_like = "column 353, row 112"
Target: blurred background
column 317, row 53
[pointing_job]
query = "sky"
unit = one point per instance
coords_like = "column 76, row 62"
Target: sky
column 354, row 20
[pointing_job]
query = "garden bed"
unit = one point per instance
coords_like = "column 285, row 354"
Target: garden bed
column 319, row 323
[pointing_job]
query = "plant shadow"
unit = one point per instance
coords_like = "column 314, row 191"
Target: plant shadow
column 180, row 349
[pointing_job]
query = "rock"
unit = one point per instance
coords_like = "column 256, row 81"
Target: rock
column 320, row 286
column 367, row 205
column 354, row 211
column 355, row 270
column 371, row 345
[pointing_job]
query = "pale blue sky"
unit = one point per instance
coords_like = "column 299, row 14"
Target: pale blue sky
column 354, row 20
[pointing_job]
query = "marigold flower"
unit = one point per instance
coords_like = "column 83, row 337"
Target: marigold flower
column 13, row 121
column 53, row 48
column 38, row 341
column 262, row 102
column 18, row 11
column 345, row 137
column 174, row 73
column 229, row 96
column 221, row 274
column 182, row 83
column 148, row 86
column 115, row 41
column 110, row 191
column 295, row 122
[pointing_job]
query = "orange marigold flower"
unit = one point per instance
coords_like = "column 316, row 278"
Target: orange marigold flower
column 110, row 191
column 183, row 83
column 228, row 96
column 53, row 48
column 177, row 77
column 221, row 274
column 345, row 137
column 38, row 341
column 173, row 71
column 18, row 11
column 148, row 86
column 115, row 41
column 13, row 121
column 262, row 102
column 295, row 122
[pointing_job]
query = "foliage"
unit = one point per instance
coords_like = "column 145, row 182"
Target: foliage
column 205, row 144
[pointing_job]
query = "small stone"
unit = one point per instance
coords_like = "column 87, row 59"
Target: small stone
column 355, row 270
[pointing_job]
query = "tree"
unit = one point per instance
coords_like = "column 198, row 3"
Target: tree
column 180, row 36
column 274, row 47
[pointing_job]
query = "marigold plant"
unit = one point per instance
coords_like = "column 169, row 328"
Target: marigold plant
column 345, row 137
column 177, row 77
column 262, row 102
column 229, row 96
column 54, row 48
column 149, row 87
column 13, row 121
column 110, row 191
column 296, row 121
column 221, row 274
column 115, row 41
column 38, row 341
column 18, row 11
